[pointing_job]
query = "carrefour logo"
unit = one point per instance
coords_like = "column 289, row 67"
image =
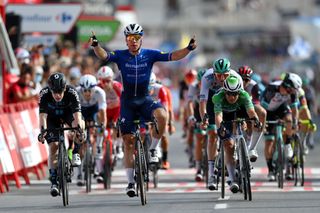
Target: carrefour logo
column 64, row 17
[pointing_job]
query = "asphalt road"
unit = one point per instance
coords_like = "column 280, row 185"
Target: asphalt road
column 177, row 192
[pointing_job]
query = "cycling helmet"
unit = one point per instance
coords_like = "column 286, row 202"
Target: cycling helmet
column 22, row 55
column 221, row 65
column 57, row 82
column 232, row 84
column 133, row 29
column 105, row 72
column 245, row 72
column 292, row 80
column 88, row 81
column 200, row 73
column 190, row 76
column 153, row 79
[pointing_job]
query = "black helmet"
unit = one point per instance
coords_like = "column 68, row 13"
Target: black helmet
column 57, row 82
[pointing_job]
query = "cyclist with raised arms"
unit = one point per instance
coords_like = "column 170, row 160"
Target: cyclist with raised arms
column 194, row 120
column 135, row 65
column 211, row 83
column 113, row 91
column 230, row 103
column 253, row 89
column 93, row 108
column 280, row 99
column 59, row 104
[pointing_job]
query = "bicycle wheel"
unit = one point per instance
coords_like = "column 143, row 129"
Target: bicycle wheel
column 146, row 144
column 107, row 166
column 205, row 162
column 298, row 166
column 223, row 172
column 280, row 162
column 245, row 171
column 140, row 161
column 87, row 169
column 63, row 185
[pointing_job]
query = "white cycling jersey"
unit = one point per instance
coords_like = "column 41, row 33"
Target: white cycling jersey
column 209, row 82
column 194, row 92
column 98, row 97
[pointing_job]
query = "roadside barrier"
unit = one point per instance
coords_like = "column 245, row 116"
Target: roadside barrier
column 20, row 152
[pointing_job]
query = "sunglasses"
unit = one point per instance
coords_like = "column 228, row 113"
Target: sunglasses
column 87, row 90
column 232, row 93
column 105, row 81
column 133, row 38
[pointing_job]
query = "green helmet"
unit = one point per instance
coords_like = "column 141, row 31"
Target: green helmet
column 232, row 84
column 200, row 73
column 221, row 65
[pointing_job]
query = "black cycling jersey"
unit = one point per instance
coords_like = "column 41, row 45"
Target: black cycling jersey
column 69, row 104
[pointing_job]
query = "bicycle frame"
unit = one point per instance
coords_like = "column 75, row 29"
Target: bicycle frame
column 278, row 155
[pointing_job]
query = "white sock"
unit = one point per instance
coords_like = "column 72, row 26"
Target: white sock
column 154, row 143
column 98, row 165
column 198, row 165
column 130, row 175
column 211, row 167
column 231, row 169
column 256, row 136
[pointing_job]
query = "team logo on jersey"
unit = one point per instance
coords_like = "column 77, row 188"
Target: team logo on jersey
column 163, row 52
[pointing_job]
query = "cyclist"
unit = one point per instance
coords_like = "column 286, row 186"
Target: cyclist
column 211, row 83
column 158, row 92
column 280, row 99
column 135, row 65
column 59, row 104
column 253, row 89
column 189, row 77
column 230, row 103
column 194, row 120
column 93, row 105
column 113, row 91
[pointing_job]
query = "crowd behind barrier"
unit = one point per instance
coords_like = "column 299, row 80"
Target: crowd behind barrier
column 20, row 152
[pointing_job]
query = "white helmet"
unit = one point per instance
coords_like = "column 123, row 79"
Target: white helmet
column 133, row 29
column 23, row 55
column 232, row 84
column 292, row 80
column 105, row 72
column 153, row 79
column 88, row 81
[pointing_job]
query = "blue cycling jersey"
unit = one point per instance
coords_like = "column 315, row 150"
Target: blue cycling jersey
column 136, row 69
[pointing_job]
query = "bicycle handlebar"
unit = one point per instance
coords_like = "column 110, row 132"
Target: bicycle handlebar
column 59, row 129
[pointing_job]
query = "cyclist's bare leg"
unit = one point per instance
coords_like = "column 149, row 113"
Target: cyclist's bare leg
column 161, row 116
column 190, row 134
column 198, row 155
column 212, row 150
column 128, row 140
column 53, row 155
column 230, row 162
column 165, row 149
column 256, row 134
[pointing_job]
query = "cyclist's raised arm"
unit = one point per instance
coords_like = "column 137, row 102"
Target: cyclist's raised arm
column 180, row 54
column 98, row 50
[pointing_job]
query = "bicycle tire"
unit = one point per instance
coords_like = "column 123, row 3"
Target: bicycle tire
column 223, row 172
column 87, row 168
column 107, row 166
column 140, row 176
column 299, row 158
column 62, row 174
column 280, row 163
column 245, row 170
column 146, row 144
column 205, row 163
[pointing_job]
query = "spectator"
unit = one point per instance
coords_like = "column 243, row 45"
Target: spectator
column 20, row 90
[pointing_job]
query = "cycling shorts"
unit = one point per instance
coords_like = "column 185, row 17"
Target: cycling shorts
column 136, row 108
column 89, row 113
column 56, row 122
column 279, row 113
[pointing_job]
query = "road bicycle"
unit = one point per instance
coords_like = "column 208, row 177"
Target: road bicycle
column 65, row 169
column 278, row 154
column 140, row 159
column 88, row 157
